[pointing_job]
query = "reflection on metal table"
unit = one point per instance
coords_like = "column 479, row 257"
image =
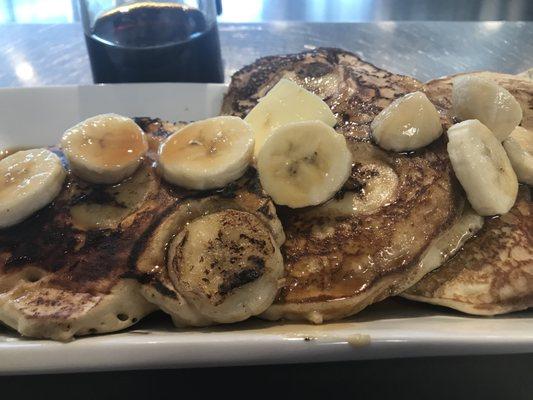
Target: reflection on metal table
column 36, row 55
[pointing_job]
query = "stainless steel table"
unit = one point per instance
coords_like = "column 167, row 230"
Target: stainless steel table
column 35, row 55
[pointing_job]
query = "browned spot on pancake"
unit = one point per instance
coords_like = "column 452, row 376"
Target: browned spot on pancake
column 314, row 70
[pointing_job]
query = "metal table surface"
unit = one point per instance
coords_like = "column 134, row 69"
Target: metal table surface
column 36, row 55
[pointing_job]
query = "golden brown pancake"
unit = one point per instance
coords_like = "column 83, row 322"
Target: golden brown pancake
column 63, row 271
column 94, row 260
column 368, row 242
column 493, row 273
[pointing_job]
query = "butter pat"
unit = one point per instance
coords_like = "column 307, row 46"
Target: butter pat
column 286, row 102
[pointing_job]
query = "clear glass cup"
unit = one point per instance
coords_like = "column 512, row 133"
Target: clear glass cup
column 152, row 41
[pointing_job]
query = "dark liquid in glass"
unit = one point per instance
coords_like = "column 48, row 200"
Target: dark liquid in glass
column 147, row 42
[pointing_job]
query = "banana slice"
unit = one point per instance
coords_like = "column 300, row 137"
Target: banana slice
column 286, row 102
column 408, row 123
column 380, row 189
column 226, row 265
column 483, row 168
column 304, row 163
column 104, row 149
column 519, row 148
column 207, row 154
column 491, row 104
column 30, row 180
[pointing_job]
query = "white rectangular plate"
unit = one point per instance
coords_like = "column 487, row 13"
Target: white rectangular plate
column 397, row 328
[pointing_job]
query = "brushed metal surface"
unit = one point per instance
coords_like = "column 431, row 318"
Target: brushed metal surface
column 36, row 55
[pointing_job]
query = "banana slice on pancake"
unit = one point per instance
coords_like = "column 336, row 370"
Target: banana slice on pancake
column 380, row 187
column 304, row 163
column 477, row 98
column 519, row 148
column 214, row 259
column 483, row 168
column 29, row 180
column 408, row 123
column 207, row 154
column 226, row 265
column 104, row 149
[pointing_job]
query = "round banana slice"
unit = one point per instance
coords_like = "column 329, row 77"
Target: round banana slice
column 29, row 181
column 104, row 149
column 408, row 123
column 207, row 154
column 491, row 104
column 286, row 102
column 226, row 265
column 483, row 168
column 381, row 188
column 519, row 148
column 304, row 163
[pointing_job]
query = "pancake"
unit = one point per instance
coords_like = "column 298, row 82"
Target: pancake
column 368, row 242
column 492, row 273
column 62, row 271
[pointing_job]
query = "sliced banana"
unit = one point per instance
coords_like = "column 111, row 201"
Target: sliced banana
column 491, row 104
column 29, row 181
column 104, row 149
column 286, row 102
column 105, row 207
column 519, row 148
column 226, row 265
column 207, row 154
column 408, row 123
column 379, row 190
column 483, row 168
column 304, row 163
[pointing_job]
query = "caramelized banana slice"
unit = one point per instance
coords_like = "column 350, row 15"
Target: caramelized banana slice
column 226, row 265
column 207, row 154
column 104, row 149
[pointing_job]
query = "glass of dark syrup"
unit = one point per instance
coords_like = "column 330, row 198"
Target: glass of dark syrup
column 152, row 41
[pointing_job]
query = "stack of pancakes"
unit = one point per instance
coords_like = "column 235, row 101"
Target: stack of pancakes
column 94, row 260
